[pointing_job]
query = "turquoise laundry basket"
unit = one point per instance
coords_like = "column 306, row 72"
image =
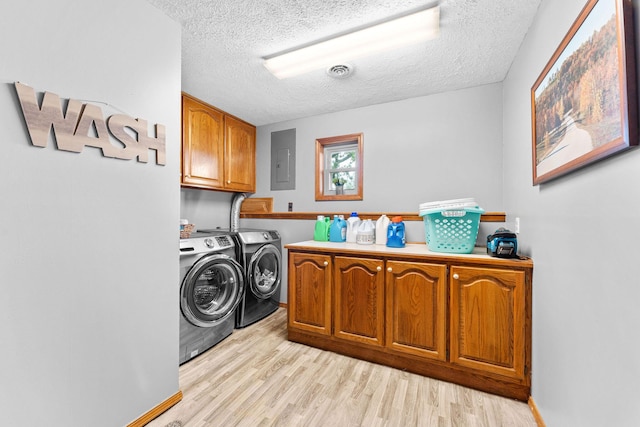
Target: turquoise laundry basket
column 451, row 230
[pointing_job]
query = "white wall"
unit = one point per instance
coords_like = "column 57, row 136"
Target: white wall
column 582, row 232
column 206, row 209
column 427, row 148
column 437, row 147
column 88, row 244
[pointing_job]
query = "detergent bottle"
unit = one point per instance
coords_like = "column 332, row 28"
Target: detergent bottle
column 395, row 233
column 321, row 232
column 327, row 226
column 382, row 225
column 352, row 227
column 338, row 229
column 366, row 233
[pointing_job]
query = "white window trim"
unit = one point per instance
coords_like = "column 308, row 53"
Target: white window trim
column 328, row 172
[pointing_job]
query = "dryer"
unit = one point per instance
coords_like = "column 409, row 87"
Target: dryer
column 211, row 289
column 260, row 253
column 261, row 257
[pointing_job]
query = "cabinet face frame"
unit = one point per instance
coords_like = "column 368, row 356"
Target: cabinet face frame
column 479, row 328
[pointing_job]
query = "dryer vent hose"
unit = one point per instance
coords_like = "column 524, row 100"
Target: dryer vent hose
column 235, row 210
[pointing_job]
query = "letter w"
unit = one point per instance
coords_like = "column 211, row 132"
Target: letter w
column 41, row 119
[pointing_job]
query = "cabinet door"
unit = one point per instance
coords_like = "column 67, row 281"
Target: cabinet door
column 416, row 308
column 240, row 154
column 359, row 295
column 488, row 320
column 310, row 292
column 202, row 144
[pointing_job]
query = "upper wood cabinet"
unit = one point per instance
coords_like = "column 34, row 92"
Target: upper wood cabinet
column 202, row 144
column 240, row 155
column 218, row 150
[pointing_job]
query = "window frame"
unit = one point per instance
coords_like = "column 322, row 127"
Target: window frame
column 329, row 152
column 323, row 193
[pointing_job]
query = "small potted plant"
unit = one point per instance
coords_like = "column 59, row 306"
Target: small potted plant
column 338, row 181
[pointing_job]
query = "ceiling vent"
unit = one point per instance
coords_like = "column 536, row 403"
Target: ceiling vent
column 341, row 71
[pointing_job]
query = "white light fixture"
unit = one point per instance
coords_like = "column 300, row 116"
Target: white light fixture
column 410, row 29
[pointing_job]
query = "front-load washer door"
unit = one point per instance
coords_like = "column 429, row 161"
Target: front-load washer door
column 264, row 271
column 211, row 290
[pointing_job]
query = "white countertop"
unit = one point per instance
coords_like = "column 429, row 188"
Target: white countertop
column 411, row 249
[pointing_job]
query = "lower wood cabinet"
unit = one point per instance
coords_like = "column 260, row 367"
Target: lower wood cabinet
column 416, row 310
column 461, row 319
column 488, row 316
column 359, row 300
column 309, row 306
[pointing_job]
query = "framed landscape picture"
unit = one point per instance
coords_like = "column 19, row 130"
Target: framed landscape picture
column 584, row 104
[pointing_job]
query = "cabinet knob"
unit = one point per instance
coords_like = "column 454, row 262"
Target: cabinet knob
column 389, row 269
column 229, row 181
column 379, row 268
column 456, row 276
column 326, row 263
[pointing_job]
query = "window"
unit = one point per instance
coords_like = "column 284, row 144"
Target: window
column 339, row 158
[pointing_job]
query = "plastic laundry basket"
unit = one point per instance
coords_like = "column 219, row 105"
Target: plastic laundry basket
column 451, row 230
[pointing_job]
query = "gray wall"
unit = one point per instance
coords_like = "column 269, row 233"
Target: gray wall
column 437, row 147
column 582, row 232
column 88, row 244
column 205, row 209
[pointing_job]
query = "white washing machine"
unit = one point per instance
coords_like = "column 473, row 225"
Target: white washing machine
column 211, row 289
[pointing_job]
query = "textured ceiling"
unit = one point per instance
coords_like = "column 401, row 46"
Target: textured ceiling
column 224, row 41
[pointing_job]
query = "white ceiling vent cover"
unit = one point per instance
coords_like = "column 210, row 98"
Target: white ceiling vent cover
column 341, row 71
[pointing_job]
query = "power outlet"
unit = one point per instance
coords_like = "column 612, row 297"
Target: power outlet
column 517, row 225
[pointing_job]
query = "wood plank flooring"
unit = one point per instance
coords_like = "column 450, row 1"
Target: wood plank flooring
column 256, row 377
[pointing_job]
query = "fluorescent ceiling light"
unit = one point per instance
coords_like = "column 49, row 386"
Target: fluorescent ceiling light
column 406, row 30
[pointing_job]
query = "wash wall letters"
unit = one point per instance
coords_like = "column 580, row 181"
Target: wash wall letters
column 84, row 125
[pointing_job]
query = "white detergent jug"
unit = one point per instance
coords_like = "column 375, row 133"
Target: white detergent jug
column 382, row 225
column 366, row 233
column 352, row 227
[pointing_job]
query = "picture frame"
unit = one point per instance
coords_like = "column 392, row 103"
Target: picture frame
column 584, row 103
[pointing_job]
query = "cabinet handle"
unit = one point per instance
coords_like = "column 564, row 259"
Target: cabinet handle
column 229, row 181
column 326, row 263
column 389, row 269
column 456, row 276
column 379, row 268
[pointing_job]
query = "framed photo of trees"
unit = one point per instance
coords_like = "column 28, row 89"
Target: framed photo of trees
column 584, row 104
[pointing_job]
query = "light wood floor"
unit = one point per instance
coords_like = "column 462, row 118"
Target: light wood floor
column 256, row 377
